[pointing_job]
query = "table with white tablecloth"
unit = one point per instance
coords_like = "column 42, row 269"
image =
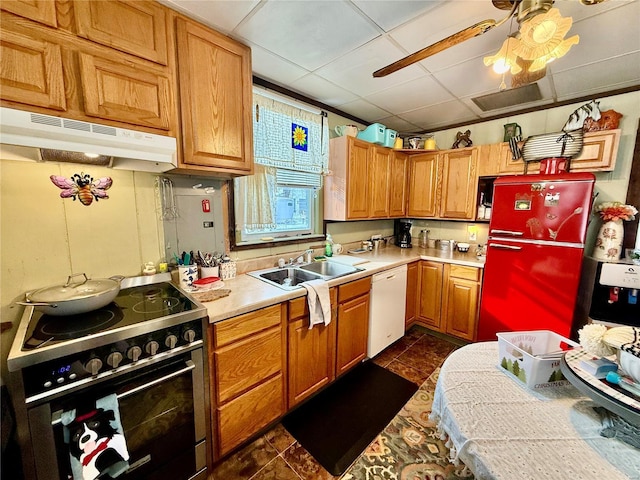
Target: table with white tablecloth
column 501, row 429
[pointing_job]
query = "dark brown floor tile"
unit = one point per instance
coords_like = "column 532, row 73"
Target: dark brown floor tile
column 279, row 438
column 405, row 371
column 277, row 469
column 304, row 464
column 424, row 362
column 244, row 463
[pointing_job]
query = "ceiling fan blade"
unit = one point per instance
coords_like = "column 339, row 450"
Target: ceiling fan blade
column 459, row 37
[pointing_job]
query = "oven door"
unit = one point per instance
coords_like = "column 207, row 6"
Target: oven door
column 162, row 412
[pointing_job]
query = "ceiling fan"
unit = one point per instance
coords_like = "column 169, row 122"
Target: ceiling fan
column 523, row 10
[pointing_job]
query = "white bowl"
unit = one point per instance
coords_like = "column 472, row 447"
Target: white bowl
column 463, row 247
column 630, row 364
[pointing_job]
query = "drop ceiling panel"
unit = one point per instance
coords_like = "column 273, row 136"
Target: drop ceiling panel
column 362, row 109
column 434, row 116
column 389, row 15
column 398, row 124
column 354, row 71
column 271, row 67
column 308, row 33
column 320, row 89
column 222, row 15
column 619, row 72
column 328, row 49
column 405, row 96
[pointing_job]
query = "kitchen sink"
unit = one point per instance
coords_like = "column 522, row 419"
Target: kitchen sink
column 290, row 278
column 329, row 269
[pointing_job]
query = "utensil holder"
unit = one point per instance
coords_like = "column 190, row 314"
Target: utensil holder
column 187, row 274
column 206, row 272
column 227, row 270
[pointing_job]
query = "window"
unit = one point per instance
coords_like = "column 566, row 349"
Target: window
column 281, row 201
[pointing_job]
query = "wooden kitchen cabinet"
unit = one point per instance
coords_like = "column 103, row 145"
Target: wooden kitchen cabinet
column 135, row 27
column 460, row 300
column 599, row 153
column 248, row 370
column 379, row 182
column 423, row 175
column 366, row 181
column 353, row 324
column 443, row 184
column 58, row 72
column 411, row 307
column 215, row 86
column 42, row 11
column 398, row 184
column 449, row 297
column 459, row 185
column 430, row 293
column 312, row 352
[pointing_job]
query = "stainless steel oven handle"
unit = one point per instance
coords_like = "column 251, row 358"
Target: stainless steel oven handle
column 504, row 247
column 57, row 416
column 190, row 366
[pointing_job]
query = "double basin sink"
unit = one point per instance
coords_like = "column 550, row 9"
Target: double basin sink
column 290, row 277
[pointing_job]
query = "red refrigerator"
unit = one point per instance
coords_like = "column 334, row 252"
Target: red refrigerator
column 534, row 253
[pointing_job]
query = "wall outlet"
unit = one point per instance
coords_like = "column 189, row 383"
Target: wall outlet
column 473, row 233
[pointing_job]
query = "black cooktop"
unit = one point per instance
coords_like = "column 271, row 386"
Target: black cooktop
column 132, row 305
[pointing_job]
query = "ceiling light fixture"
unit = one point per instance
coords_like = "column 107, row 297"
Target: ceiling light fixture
column 540, row 40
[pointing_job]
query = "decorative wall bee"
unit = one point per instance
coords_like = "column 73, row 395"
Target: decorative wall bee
column 83, row 187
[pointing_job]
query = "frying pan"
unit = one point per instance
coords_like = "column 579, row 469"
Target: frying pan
column 74, row 297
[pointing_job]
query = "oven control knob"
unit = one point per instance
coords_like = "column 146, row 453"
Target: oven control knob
column 133, row 353
column 93, row 366
column 152, row 347
column 171, row 341
column 189, row 335
column 114, row 359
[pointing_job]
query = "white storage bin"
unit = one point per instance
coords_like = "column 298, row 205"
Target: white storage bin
column 518, row 354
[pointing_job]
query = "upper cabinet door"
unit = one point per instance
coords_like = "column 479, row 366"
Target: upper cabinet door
column 42, row 11
column 31, row 71
column 119, row 92
column 379, row 178
column 398, row 185
column 216, row 99
column 423, row 185
column 459, row 183
column 357, row 179
column 135, row 27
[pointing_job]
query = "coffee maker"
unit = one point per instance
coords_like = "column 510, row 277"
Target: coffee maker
column 402, row 232
column 608, row 294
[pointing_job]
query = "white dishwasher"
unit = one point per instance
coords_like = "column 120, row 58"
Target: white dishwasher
column 387, row 308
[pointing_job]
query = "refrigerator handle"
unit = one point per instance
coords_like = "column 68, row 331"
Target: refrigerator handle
column 504, row 247
column 506, row 232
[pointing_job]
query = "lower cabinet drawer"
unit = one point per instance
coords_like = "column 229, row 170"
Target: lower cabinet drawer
column 249, row 413
column 244, row 364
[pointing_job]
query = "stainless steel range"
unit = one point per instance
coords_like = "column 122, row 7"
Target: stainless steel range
column 148, row 348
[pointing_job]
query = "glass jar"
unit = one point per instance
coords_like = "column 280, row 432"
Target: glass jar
column 423, row 238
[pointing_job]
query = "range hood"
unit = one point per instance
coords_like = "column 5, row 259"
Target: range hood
column 32, row 136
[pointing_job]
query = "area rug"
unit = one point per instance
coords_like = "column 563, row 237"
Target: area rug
column 336, row 425
column 410, row 446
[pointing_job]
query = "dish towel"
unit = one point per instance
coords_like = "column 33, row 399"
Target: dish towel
column 95, row 437
column 319, row 302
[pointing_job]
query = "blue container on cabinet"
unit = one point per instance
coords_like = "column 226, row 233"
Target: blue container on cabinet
column 389, row 137
column 374, row 133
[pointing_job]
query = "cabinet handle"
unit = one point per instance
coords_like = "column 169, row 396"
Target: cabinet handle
column 507, row 232
column 504, row 247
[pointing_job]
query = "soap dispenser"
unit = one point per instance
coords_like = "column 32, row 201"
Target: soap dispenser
column 328, row 247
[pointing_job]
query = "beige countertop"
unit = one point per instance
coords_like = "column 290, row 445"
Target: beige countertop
column 249, row 293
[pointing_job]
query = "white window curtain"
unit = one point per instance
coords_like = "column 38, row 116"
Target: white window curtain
column 273, row 124
column 291, row 146
column 256, row 193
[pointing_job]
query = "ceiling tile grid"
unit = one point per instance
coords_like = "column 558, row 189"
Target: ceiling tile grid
column 327, row 50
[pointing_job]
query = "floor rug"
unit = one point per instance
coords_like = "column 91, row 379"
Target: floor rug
column 337, row 424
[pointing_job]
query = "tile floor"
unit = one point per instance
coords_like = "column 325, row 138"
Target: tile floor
column 276, row 455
